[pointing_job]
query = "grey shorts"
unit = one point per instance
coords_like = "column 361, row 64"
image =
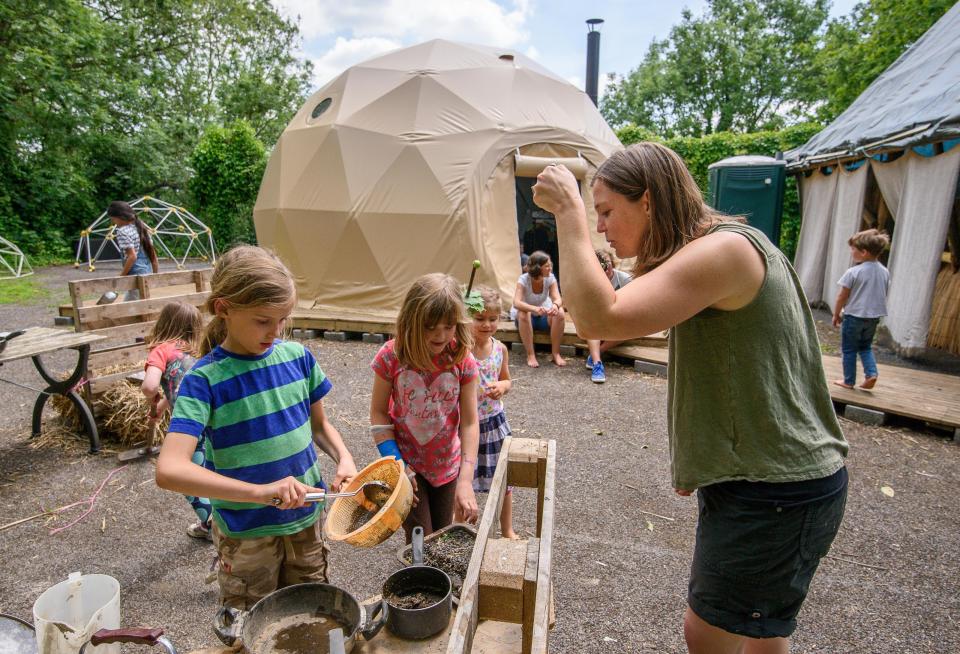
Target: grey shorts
column 754, row 561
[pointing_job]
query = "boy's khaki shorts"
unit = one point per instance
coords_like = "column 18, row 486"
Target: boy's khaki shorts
column 252, row 568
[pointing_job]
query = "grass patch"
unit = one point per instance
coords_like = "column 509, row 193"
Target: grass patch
column 23, row 290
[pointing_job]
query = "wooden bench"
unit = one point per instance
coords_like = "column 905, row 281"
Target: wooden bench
column 127, row 323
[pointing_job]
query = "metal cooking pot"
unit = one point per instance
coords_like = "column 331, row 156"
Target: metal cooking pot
column 16, row 636
column 327, row 606
column 425, row 621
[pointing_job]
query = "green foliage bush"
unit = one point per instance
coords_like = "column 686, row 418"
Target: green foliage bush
column 228, row 164
column 699, row 153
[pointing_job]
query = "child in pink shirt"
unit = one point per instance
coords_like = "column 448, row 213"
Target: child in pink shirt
column 424, row 405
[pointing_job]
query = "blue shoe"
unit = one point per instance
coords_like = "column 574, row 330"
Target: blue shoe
column 598, row 376
column 589, row 362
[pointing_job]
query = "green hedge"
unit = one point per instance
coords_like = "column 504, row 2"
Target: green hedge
column 699, row 153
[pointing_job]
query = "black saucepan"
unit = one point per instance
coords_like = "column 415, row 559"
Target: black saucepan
column 431, row 592
column 5, row 337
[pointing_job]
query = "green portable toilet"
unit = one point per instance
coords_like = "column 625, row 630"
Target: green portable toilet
column 750, row 186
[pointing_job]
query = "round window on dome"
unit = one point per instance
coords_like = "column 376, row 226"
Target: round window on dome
column 321, row 107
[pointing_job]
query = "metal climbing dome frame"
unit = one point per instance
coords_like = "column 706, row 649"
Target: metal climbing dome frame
column 13, row 262
column 168, row 225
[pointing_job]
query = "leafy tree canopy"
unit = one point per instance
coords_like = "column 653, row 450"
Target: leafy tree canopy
column 106, row 100
column 744, row 65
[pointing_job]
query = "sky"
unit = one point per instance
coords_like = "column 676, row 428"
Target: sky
column 340, row 33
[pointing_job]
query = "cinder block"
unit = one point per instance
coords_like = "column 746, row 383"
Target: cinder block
column 863, row 415
column 373, row 338
column 311, row 333
column 297, row 333
column 331, row 335
column 517, row 348
column 648, row 368
column 568, row 350
column 63, row 321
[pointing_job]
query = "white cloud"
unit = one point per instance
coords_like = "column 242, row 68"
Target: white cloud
column 346, row 53
column 533, row 53
column 479, row 21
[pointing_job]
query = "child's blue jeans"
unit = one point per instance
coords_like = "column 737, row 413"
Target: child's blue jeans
column 856, row 337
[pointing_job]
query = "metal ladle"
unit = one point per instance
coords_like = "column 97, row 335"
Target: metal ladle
column 374, row 491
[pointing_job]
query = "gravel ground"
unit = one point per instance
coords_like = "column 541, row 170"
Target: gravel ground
column 623, row 539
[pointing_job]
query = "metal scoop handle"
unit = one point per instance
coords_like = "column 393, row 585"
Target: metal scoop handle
column 322, row 496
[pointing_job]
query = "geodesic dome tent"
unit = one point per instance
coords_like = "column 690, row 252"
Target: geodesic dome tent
column 176, row 234
column 13, row 262
column 418, row 161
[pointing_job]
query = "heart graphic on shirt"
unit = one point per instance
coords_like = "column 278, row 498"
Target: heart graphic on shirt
column 425, row 409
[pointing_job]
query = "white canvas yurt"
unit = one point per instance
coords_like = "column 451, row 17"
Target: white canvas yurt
column 419, row 161
column 891, row 161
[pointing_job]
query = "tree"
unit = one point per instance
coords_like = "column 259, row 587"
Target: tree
column 744, row 65
column 859, row 47
column 106, row 100
column 228, row 165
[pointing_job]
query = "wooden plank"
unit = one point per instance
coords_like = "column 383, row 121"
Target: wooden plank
column 501, row 580
column 42, row 340
column 524, row 458
column 530, row 593
column 100, row 285
column 99, row 385
column 126, row 332
column 465, row 625
column 541, row 613
column 136, row 308
column 126, row 355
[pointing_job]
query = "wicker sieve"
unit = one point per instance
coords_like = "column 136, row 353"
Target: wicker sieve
column 386, row 521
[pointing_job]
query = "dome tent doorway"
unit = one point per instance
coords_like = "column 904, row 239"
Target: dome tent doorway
column 176, row 233
column 407, row 164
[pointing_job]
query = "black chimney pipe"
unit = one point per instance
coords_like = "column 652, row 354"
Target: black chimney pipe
column 593, row 57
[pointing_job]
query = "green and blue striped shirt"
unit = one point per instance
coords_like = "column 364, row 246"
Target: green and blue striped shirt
column 253, row 413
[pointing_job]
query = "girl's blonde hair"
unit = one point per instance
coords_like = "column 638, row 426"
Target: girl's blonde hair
column 181, row 322
column 490, row 297
column 246, row 276
column 432, row 300
column 678, row 213
column 536, row 262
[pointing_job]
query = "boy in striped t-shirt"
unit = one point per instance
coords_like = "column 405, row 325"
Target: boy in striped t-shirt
column 257, row 401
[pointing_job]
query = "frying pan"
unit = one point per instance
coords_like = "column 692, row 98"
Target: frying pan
column 9, row 336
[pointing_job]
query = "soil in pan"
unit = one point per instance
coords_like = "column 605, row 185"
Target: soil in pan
column 361, row 516
column 304, row 633
column 415, row 598
column 449, row 552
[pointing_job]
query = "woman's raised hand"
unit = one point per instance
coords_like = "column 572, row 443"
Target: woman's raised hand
column 555, row 188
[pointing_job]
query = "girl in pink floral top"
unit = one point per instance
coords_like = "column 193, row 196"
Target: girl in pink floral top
column 491, row 356
column 424, row 405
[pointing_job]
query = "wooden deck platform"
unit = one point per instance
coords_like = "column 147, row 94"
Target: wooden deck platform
column 931, row 397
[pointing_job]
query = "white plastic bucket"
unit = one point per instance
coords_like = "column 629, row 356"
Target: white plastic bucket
column 68, row 614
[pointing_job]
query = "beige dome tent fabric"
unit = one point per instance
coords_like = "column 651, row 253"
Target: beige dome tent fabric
column 405, row 165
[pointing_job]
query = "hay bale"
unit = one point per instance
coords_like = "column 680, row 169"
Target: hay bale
column 124, row 416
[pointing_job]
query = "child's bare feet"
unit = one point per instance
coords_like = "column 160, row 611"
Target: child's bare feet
column 532, row 361
column 869, row 382
column 840, row 382
column 559, row 360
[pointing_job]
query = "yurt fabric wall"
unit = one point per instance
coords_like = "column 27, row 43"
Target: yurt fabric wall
column 851, row 185
column 922, row 214
column 817, row 194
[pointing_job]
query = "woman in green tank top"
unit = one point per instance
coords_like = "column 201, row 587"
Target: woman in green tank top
column 751, row 424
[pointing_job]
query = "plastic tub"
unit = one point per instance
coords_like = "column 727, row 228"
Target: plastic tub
column 68, row 614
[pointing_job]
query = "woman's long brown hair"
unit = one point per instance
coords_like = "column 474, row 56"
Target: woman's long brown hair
column 678, row 213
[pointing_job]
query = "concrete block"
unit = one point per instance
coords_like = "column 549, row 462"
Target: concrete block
column 377, row 339
column 568, row 351
column 517, row 348
column 863, row 415
column 63, row 321
column 296, row 333
column 648, row 368
column 311, row 333
column 331, row 335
